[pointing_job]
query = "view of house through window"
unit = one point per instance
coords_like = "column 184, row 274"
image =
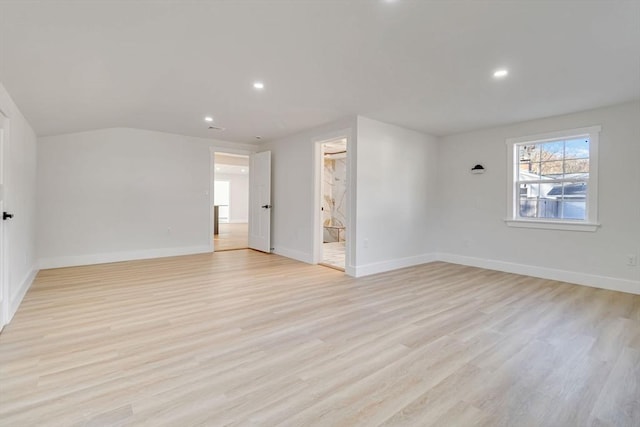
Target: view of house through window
column 552, row 178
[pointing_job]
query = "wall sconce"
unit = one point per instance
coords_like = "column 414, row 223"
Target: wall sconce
column 477, row 169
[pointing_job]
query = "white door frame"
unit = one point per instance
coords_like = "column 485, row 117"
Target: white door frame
column 350, row 248
column 212, row 177
column 4, row 258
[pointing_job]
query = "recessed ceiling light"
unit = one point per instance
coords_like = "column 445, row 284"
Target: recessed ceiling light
column 498, row 74
column 208, row 119
column 258, row 85
column 243, row 170
column 217, row 169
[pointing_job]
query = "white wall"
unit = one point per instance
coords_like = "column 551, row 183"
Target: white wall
column 238, row 196
column 119, row 194
column 393, row 208
column 293, row 184
column 397, row 209
column 473, row 206
column 20, row 179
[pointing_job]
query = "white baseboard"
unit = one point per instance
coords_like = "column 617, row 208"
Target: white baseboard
column 394, row 264
column 294, row 254
column 350, row 270
column 78, row 260
column 18, row 296
column 595, row 281
column 578, row 278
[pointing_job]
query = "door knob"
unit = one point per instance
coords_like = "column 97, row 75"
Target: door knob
column 266, row 206
column 6, row 216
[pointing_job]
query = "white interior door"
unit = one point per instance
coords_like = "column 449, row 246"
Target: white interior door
column 260, row 202
column 4, row 298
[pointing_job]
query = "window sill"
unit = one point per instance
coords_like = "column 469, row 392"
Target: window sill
column 553, row 225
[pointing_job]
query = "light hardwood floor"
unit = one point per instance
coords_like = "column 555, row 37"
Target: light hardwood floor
column 333, row 254
column 231, row 237
column 245, row 338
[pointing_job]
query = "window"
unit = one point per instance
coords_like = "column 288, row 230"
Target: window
column 553, row 180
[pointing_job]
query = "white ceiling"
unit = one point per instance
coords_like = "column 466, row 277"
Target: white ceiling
column 231, row 159
column 227, row 163
column 426, row 65
column 222, row 168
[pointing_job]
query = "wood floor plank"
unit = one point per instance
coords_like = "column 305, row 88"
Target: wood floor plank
column 245, row 338
column 619, row 401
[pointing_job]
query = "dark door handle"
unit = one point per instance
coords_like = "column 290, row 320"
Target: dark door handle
column 266, row 206
column 6, row 216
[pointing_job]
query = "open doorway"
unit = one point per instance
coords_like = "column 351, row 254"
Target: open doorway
column 230, row 201
column 333, row 202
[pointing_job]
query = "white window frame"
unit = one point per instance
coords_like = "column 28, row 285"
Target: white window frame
column 590, row 223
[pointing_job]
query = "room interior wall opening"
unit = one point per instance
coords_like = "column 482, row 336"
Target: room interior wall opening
column 333, row 203
column 230, row 201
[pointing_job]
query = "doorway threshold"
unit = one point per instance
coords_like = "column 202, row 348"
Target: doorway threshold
column 335, row 267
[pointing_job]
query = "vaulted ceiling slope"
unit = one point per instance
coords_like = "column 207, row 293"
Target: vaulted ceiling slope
column 426, row 65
